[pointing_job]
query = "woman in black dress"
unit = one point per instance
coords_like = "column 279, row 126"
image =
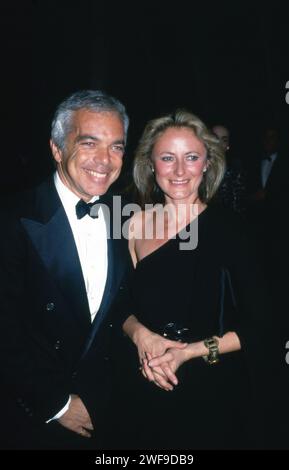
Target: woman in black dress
column 200, row 318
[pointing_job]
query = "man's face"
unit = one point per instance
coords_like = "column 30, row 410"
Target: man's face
column 270, row 142
column 223, row 135
column 93, row 154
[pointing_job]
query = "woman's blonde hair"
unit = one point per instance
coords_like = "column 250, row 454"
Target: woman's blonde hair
column 149, row 191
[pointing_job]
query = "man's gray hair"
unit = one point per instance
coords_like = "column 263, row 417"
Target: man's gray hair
column 93, row 100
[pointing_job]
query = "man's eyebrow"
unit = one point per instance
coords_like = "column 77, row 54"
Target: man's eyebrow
column 82, row 137
column 79, row 138
column 119, row 141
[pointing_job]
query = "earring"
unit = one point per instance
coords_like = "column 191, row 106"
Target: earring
column 204, row 170
column 153, row 170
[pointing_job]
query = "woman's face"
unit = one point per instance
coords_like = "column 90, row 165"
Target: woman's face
column 179, row 159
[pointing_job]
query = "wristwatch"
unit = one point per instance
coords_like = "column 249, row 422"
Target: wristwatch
column 212, row 345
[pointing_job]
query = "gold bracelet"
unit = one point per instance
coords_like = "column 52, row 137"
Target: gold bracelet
column 212, row 345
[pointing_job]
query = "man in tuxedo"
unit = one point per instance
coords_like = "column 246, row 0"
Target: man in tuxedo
column 63, row 285
column 268, row 176
column 267, row 211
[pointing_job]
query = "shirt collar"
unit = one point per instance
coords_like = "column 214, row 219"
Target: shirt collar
column 271, row 158
column 67, row 197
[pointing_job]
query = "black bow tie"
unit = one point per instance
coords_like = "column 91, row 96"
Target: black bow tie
column 91, row 208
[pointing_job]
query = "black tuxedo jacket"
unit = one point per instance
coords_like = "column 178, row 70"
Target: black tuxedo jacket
column 276, row 186
column 49, row 348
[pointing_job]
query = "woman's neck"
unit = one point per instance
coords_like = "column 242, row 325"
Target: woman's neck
column 179, row 213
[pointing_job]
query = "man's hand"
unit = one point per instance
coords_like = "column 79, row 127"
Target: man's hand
column 76, row 418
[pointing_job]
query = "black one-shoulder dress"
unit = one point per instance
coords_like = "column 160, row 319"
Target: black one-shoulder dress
column 214, row 288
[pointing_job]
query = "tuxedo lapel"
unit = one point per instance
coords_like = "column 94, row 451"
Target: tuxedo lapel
column 51, row 235
column 115, row 265
column 55, row 245
column 114, row 276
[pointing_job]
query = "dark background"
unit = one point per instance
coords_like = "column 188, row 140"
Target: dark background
column 225, row 61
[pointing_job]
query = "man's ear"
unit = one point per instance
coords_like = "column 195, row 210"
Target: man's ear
column 56, row 152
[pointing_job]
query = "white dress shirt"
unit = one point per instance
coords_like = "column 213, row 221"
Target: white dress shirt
column 266, row 167
column 90, row 236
